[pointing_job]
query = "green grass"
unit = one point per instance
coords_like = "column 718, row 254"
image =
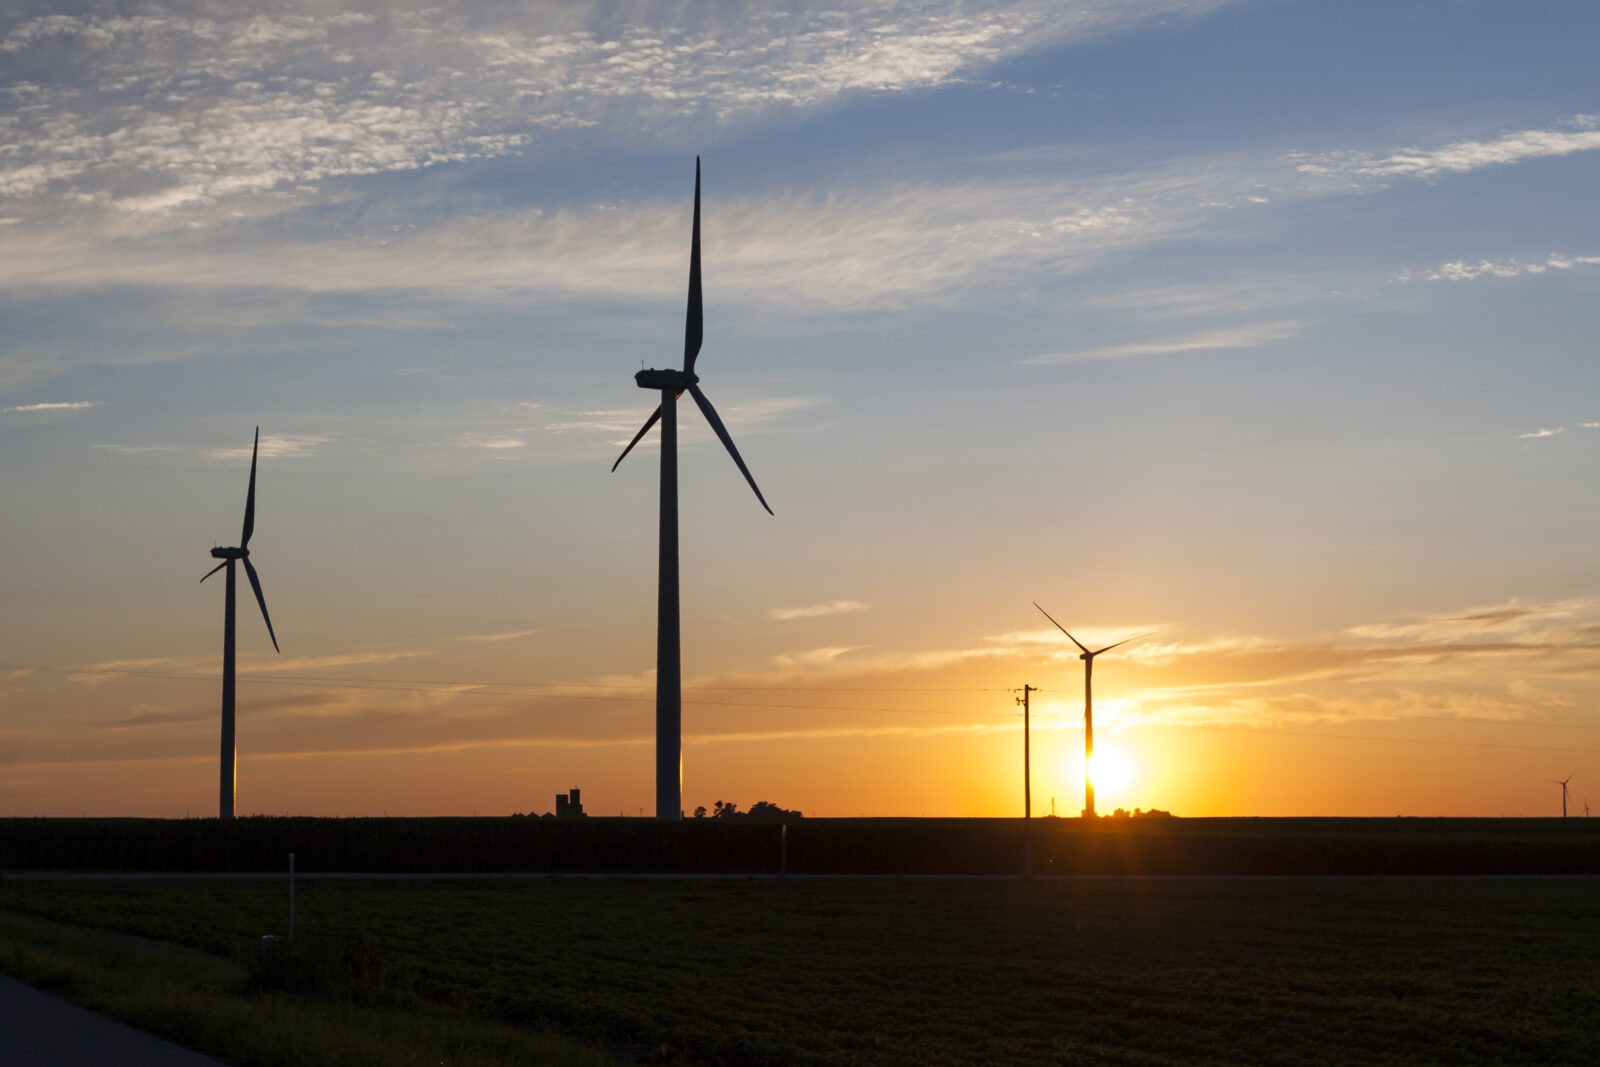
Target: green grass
column 911, row 972
column 198, row 1000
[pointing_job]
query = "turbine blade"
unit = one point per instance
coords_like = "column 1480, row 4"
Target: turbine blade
column 215, row 569
column 651, row 421
column 722, row 432
column 255, row 583
column 1063, row 629
column 1124, row 641
column 694, row 323
column 250, row 496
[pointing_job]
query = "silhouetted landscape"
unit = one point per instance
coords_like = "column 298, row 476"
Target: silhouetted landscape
column 1104, row 846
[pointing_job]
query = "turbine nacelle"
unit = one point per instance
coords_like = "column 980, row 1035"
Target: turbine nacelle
column 676, row 380
column 229, row 553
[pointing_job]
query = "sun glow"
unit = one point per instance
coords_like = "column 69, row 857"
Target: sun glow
column 1111, row 770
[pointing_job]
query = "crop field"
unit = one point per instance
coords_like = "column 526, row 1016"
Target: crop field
column 1159, row 846
column 885, row 971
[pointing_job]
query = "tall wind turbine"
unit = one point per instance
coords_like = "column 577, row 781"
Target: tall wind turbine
column 672, row 384
column 1088, row 707
column 1562, row 782
column 230, row 556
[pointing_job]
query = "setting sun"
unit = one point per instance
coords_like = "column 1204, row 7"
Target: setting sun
column 1112, row 771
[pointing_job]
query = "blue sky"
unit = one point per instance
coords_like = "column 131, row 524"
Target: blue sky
column 1265, row 326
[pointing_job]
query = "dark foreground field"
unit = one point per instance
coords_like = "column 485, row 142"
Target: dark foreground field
column 911, row 972
column 1159, row 846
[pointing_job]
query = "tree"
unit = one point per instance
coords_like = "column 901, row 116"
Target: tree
column 725, row 810
column 700, row 812
column 766, row 809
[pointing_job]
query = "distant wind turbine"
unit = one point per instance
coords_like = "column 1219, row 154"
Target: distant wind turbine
column 229, row 556
column 1088, row 706
column 673, row 383
column 1562, row 782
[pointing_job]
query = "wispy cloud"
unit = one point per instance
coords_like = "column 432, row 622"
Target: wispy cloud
column 1590, row 425
column 100, row 673
column 1256, row 335
column 1511, row 617
column 53, row 406
column 895, row 245
column 511, row 636
column 278, row 446
column 1541, row 433
column 1579, row 134
column 140, row 450
column 1462, row 271
column 313, row 663
column 867, row 246
column 163, row 111
column 496, row 442
column 814, row 611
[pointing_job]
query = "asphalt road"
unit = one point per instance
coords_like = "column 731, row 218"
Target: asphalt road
column 39, row 1029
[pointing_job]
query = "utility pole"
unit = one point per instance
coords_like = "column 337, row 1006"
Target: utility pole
column 1027, row 788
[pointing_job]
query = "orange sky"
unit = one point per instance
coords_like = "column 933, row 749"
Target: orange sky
column 1468, row 713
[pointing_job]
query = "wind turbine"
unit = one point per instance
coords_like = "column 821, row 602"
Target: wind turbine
column 1088, row 706
column 230, row 556
column 1562, row 782
column 672, row 384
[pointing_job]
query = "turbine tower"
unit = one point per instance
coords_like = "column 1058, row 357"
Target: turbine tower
column 1562, row 782
column 672, row 384
column 230, row 556
column 1088, row 707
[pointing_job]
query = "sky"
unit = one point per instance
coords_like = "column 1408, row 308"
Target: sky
column 1262, row 328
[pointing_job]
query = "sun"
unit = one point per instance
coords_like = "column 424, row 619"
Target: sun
column 1111, row 771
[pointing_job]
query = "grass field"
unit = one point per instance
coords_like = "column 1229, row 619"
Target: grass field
column 959, row 972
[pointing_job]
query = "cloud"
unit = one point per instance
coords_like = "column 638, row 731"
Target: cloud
column 493, row 441
column 100, row 673
column 865, row 246
column 813, row 611
column 902, row 244
column 513, row 635
column 1579, row 134
column 311, row 663
column 1251, row 336
column 1510, row 617
column 278, row 446
column 1462, row 271
column 148, row 716
column 54, row 406
column 164, row 111
column 1590, row 425
column 1541, row 433
column 140, row 450
column 814, row 658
